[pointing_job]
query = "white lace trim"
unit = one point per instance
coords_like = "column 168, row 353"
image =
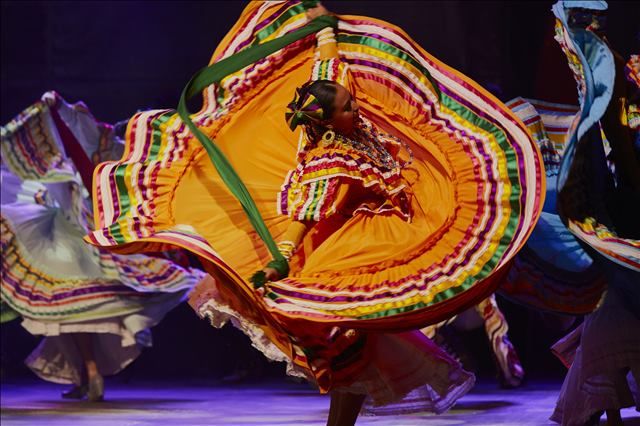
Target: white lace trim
column 101, row 326
column 219, row 314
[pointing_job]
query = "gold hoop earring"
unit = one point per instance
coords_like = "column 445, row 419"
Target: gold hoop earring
column 328, row 136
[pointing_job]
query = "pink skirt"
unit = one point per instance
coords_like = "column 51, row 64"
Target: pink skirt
column 406, row 373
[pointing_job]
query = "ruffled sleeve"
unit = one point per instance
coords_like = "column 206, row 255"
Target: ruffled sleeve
column 338, row 180
column 329, row 66
column 308, row 196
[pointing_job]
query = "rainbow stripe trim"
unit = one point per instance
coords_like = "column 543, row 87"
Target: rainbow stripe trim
column 506, row 160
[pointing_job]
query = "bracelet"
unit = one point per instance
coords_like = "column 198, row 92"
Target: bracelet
column 325, row 35
column 325, row 31
column 287, row 248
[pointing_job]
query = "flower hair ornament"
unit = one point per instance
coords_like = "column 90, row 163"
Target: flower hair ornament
column 304, row 109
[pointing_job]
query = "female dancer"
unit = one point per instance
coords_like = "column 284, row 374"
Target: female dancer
column 377, row 241
column 93, row 308
column 598, row 185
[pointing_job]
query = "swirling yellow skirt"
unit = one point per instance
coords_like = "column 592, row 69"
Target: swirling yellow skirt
column 476, row 184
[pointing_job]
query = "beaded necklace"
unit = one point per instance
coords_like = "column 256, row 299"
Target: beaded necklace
column 367, row 140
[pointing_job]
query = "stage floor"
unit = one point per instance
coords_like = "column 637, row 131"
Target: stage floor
column 283, row 404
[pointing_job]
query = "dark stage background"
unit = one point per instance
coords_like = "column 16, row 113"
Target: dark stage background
column 121, row 56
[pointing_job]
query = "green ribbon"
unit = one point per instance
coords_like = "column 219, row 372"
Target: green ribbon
column 213, row 74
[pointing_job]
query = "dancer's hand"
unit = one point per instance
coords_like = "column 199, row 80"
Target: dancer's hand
column 263, row 276
column 271, row 274
column 319, row 10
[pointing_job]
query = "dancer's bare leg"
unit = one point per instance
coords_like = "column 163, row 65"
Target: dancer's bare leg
column 344, row 408
column 84, row 343
column 69, row 350
column 614, row 418
column 333, row 409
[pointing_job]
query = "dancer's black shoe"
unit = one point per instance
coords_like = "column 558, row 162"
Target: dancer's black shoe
column 76, row 392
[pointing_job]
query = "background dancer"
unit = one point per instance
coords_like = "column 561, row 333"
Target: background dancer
column 93, row 308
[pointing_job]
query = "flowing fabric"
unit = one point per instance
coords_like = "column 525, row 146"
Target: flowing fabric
column 552, row 272
column 48, row 272
column 592, row 194
column 476, row 188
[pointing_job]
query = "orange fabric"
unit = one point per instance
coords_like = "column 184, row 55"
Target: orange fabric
column 328, row 50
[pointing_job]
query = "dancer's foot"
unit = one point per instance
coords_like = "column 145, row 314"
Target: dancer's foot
column 594, row 420
column 76, row 392
column 614, row 418
column 96, row 389
column 509, row 382
column 510, row 371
